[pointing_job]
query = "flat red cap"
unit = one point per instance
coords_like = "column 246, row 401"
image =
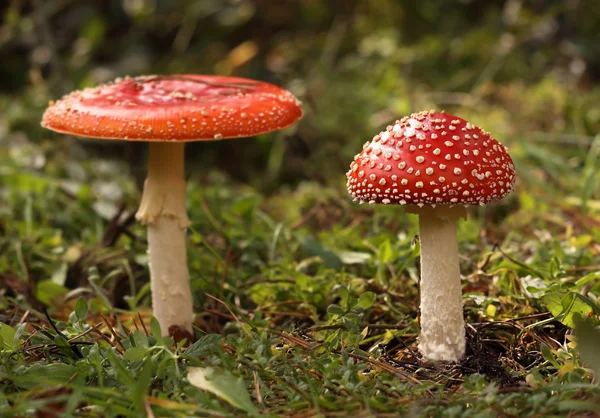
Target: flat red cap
column 174, row 108
column 431, row 158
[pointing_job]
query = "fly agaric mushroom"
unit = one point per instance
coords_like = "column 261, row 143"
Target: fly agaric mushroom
column 436, row 164
column 168, row 111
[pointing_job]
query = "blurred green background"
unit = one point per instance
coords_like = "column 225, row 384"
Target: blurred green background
column 526, row 71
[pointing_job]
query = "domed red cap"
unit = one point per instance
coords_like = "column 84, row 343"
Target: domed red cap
column 431, row 158
column 168, row 108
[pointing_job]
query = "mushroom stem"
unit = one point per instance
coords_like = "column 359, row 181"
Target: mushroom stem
column 442, row 319
column 163, row 210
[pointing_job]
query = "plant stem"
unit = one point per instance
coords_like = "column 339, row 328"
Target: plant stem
column 163, row 210
column 442, row 335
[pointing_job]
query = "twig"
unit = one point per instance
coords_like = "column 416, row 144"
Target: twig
column 148, row 408
column 295, row 314
column 135, row 323
column 143, row 325
column 390, row 369
column 259, row 398
column 114, row 333
column 229, row 309
column 282, row 303
column 412, row 353
column 83, row 334
column 215, row 312
column 511, row 321
column 105, row 338
column 315, row 328
column 517, row 262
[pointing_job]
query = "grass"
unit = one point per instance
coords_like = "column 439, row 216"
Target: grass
column 307, row 304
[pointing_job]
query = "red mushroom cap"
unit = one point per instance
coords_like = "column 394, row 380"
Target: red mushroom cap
column 174, row 108
column 431, row 158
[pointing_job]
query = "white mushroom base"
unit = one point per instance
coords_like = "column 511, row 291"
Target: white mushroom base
column 170, row 280
column 442, row 335
column 163, row 210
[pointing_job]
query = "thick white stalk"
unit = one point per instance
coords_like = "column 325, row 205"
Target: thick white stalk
column 442, row 322
column 163, row 210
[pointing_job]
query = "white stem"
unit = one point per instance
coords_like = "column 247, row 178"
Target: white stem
column 442, row 323
column 163, row 210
